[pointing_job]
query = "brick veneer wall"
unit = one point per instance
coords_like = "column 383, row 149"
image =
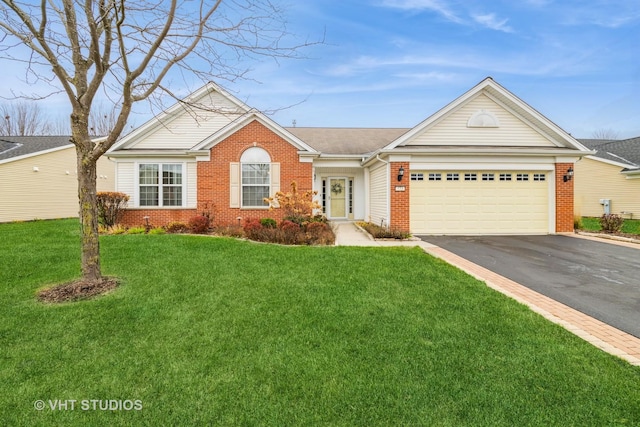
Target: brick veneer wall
column 564, row 199
column 399, row 199
column 213, row 176
column 214, row 180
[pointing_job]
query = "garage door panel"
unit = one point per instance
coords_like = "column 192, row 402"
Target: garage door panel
column 480, row 206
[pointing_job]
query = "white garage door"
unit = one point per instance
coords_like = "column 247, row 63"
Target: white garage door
column 479, row 202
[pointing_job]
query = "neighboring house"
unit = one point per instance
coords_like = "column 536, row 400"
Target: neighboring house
column 609, row 180
column 38, row 178
column 487, row 163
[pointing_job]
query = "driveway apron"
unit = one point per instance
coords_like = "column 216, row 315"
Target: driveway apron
column 599, row 279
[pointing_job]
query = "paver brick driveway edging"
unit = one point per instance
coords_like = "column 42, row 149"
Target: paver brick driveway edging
column 599, row 334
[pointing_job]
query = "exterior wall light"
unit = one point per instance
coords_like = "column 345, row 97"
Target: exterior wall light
column 568, row 175
column 400, row 173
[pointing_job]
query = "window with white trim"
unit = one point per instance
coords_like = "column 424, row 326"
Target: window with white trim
column 160, row 184
column 255, row 181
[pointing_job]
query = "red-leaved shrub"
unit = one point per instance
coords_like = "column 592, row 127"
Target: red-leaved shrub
column 199, row 224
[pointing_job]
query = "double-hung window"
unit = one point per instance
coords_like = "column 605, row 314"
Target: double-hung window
column 160, row 184
column 256, row 182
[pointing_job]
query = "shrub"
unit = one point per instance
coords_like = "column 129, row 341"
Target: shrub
column 137, row 230
column 231, row 230
column 268, row 223
column 298, row 207
column 319, row 233
column 110, row 205
column 611, row 223
column 177, row 227
column 384, row 233
column 157, row 230
column 199, row 224
column 117, row 229
column 577, row 223
column 254, row 230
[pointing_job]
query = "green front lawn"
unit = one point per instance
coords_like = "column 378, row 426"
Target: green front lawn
column 214, row 331
column 630, row 226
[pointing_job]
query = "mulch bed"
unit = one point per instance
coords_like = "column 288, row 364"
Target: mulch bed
column 78, row 290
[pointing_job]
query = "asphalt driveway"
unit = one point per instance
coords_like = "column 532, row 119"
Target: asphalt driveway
column 597, row 278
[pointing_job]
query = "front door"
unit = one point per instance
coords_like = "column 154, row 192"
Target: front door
column 337, row 197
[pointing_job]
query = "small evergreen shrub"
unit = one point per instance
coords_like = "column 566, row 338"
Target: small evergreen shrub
column 268, row 223
column 199, row 224
column 157, row 230
column 611, row 223
column 110, row 205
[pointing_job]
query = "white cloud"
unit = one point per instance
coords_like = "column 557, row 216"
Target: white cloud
column 490, row 21
column 419, row 5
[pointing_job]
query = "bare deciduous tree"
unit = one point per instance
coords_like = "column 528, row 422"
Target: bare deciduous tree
column 605, row 133
column 23, row 119
column 127, row 50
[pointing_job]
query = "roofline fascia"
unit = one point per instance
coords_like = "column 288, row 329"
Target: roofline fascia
column 610, row 162
column 37, row 153
column 122, row 154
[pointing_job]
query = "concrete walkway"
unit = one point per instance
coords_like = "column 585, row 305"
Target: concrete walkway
column 601, row 335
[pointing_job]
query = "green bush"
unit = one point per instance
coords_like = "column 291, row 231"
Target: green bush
column 611, row 223
column 157, row 230
column 137, row 230
column 268, row 223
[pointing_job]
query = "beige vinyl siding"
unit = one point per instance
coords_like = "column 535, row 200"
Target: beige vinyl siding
column 126, row 180
column 192, row 185
column 452, row 129
column 378, row 199
column 595, row 180
column 188, row 129
column 52, row 191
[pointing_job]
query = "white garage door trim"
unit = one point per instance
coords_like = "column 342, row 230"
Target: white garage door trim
column 468, row 202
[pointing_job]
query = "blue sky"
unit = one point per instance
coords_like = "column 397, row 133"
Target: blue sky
column 392, row 63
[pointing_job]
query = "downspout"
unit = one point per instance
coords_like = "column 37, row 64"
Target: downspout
column 388, row 190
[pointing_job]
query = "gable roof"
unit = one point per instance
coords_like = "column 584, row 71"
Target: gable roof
column 625, row 152
column 244, row 120
column 501, row 96
column 18, row 147
column 193, row 101
column 347, row 141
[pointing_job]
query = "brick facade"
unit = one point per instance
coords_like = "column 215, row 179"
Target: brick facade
column 214, row 180
column 564, row 199
column 399, row 199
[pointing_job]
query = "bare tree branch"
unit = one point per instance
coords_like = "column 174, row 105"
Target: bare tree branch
column 127, row 50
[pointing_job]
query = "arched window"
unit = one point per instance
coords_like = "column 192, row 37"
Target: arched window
column 256, row 167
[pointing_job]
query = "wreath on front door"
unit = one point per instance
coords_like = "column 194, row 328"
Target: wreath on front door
column 336, row 188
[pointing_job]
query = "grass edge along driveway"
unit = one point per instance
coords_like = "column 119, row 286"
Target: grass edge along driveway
column 225, row 332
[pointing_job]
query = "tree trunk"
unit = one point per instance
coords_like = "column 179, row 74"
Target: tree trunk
column 88, row 217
